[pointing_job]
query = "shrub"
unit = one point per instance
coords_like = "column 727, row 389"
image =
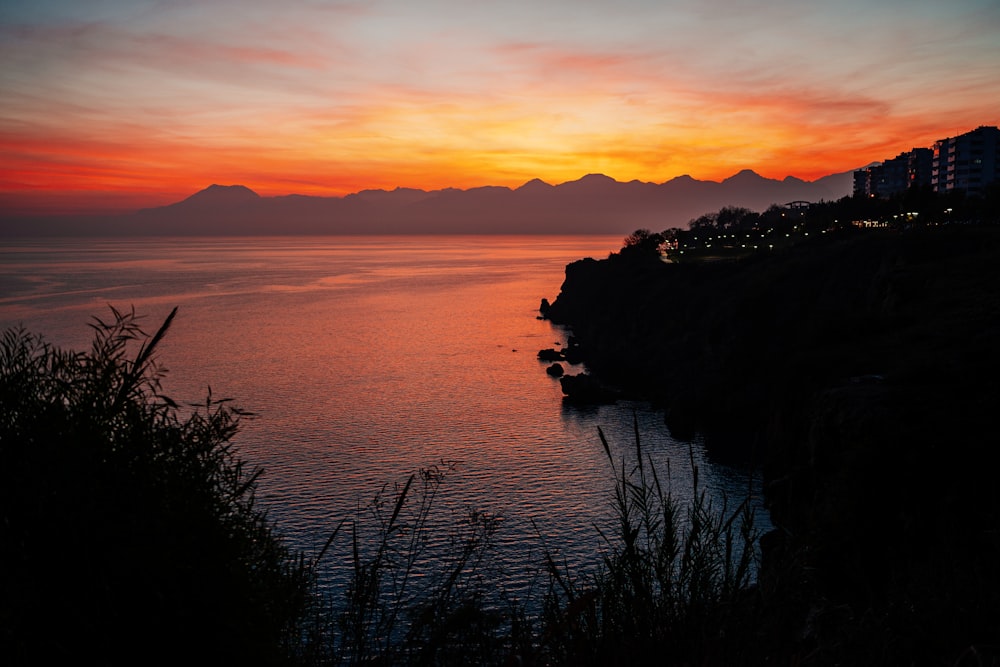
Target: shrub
column 129, row 532
column 130, row 535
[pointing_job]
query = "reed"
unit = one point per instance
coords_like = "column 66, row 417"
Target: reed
column 421, row 590
column 131, row 533
column 674, row 585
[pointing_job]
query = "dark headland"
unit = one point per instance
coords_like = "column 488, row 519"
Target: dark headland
column 861, row 369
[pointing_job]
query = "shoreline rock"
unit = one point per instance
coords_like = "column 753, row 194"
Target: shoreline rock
column 859, row 369
column 585, row 389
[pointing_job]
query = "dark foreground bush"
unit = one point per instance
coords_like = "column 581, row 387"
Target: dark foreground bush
column 129, row 534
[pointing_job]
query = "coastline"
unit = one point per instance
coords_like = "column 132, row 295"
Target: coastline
column 863, row 365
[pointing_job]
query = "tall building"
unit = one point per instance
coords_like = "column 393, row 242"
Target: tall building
column 919, row 167
column 967, row 162
column 866, row 181
column 905, row 171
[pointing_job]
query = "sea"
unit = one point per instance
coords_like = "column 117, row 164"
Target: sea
column 366, row 360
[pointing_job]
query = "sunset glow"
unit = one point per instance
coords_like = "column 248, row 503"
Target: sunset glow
column 115, row 105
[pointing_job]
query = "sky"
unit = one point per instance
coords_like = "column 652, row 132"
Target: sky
column 118, row 104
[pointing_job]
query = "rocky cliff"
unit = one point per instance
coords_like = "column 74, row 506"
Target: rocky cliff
column 863, row 371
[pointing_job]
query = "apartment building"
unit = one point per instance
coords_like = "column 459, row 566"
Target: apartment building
column 967, row 162
column 913, row 168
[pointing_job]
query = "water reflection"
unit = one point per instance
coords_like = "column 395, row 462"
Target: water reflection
column 367, row 360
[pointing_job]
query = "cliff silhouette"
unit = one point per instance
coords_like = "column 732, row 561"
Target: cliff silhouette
column 594, row 204
column 860, row 369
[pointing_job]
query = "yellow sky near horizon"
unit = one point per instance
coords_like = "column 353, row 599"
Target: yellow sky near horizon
column 117, row 105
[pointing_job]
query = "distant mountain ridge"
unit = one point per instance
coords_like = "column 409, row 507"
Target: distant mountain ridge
column 593, row 204
column 218, row 194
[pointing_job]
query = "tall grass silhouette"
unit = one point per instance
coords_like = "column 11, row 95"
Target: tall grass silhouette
column 130, row 529
column 673, row 581
column 131, row 533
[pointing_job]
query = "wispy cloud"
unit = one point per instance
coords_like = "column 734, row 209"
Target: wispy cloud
column 347, row 95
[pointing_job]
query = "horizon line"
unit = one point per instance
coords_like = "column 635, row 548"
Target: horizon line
column 83, row 212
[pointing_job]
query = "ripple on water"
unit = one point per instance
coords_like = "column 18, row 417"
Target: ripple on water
column 367, row 360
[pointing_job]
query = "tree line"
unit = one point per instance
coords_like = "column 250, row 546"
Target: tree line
column 746, row 229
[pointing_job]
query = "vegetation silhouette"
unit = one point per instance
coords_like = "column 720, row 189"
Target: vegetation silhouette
column 860, row 364
column 130, row 533
column 864, row 361
column 676, row 583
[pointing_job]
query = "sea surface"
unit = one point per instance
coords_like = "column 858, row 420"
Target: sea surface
column 366, row 359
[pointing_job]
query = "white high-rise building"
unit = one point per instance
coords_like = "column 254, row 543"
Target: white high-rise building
column 967, row 162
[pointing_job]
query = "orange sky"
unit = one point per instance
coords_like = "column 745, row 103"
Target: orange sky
column 112, row 105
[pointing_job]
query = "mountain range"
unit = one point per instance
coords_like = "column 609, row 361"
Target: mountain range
column 594, row 204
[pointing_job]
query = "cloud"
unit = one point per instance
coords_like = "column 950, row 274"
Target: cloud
column 379, row 94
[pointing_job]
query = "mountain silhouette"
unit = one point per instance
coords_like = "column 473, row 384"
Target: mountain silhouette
column 744, row 176
column 593, row 204
column 221, row 195
column 535, row 186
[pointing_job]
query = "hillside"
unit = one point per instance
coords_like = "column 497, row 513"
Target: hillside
column 861, row 370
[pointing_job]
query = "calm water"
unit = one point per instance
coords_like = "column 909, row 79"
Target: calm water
column 365, row 359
